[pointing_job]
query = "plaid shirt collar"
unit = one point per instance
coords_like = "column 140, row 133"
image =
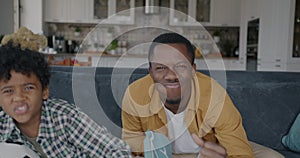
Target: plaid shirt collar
column 46, row 125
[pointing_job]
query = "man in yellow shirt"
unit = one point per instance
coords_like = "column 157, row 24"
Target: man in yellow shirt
column 190, row 108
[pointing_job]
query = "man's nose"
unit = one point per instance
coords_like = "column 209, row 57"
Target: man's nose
column 170, row 74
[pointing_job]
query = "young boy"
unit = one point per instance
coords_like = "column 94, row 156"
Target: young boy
column 50, row 127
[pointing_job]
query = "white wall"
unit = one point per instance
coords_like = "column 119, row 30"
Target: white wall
column 32, row 15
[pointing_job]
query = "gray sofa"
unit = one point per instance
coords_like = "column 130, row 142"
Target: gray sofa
column 267, row 101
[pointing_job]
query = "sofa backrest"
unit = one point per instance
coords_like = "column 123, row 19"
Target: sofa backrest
column 267, row 101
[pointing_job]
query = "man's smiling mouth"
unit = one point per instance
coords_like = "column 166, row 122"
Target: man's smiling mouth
column 172, row 85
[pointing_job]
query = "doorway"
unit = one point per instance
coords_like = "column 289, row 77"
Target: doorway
column 252, row 44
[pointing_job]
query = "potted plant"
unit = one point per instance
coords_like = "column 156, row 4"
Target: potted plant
column 77, row 31
column 216, row 36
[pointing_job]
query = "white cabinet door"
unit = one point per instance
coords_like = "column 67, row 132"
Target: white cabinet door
column 186, row 12
column 122, row 12
column 74, row 11
column 79, row 11
column 113, row 11
column 100, row 10
column 225, row 12
column 235, row 13
column 55, row 10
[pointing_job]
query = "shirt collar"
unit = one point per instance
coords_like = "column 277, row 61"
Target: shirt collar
column 45, row 125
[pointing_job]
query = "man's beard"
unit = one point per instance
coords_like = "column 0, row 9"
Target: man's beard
column 172, row 102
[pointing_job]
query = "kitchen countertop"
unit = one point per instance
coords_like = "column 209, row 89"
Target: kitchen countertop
column 213, row 62
column 210, row 56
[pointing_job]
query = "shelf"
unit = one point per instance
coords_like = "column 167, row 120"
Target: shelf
column 251, row 45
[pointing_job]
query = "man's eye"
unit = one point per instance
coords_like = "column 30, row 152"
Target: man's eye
column 181, row 67
column 161, row 68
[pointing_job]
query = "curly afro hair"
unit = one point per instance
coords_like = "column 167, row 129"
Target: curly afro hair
column 23, row 61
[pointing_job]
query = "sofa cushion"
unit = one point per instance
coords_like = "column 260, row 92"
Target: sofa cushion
column 292, row 139
column 267, row 102
column 289, row 154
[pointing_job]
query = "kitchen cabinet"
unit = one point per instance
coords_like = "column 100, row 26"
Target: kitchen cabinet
column 207, row 12
column 219, row 64
column 55, row 10
column 89, row 11
column 270, row 66
column 113, row 11
column 188, row 12
column 71, row 11
column 100, row 9
column 225, row 12
column 79, row 11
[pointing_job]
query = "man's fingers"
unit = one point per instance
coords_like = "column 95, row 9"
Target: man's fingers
column 209, row 149
column 215, row 147
column 207, row 153
column 197, row 140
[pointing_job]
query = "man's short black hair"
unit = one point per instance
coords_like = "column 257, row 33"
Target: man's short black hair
column 171, row 38
column 23, row 61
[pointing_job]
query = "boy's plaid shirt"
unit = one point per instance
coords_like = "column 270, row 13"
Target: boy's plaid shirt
column 65, row 131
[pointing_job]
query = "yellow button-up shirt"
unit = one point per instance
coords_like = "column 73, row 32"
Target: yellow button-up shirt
column 210, row 114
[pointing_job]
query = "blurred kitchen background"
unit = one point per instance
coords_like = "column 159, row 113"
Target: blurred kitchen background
column 250, row 34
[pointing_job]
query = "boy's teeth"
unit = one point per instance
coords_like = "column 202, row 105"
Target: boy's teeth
column 21, row 108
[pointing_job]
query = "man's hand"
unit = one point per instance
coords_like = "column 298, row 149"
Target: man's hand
column 209, row 149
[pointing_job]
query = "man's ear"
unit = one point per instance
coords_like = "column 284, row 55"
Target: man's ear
column 150, row 71
column 194, row 68
column 46, row 93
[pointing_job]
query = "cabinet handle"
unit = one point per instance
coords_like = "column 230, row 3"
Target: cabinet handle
column 278, row 60
column 277, row 65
